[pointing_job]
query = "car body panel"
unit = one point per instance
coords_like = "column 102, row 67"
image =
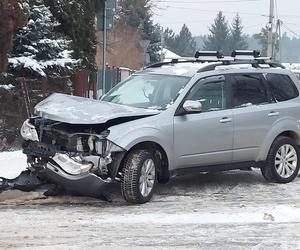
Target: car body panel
column 79, row 110
column 201, row 139
column 251, row 125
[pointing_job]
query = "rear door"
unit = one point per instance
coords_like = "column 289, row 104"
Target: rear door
column 253, row 114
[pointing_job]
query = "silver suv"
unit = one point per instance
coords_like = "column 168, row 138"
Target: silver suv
column 208, row 113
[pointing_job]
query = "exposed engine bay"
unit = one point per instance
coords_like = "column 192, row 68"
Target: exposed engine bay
column 70, row 145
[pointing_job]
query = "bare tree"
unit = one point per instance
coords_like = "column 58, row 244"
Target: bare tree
column 11, row 17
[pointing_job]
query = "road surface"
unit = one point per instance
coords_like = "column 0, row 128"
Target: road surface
column 232, row 210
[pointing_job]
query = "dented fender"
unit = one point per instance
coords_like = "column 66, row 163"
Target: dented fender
column 129, row 134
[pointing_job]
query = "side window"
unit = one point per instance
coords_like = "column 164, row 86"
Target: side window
column 211, row 94
column 282, row 87
column 247, row 90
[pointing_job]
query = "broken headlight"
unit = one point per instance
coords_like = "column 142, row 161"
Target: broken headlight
column 105, row 147
column 96, row 144
column 29, row 132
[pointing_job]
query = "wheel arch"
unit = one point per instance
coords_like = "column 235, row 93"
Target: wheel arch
column 159, row 152
column 271, row 137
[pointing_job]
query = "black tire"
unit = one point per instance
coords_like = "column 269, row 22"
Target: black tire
column 131, row 173
column 269, row 170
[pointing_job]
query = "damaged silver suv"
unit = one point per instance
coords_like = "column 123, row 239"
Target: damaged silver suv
column 208, row 113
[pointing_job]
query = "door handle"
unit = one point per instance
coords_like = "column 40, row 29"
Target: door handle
column 225, row 120
column 273, row 113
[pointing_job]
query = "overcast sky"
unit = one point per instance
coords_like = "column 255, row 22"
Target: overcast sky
column 199, row 14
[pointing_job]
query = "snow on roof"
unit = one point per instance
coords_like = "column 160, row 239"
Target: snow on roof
column 292, row 66
column 168, row 54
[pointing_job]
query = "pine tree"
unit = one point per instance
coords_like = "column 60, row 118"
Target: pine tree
column 262, row 38
column 237, row 40
column 185, row 43
column 151, row 32
column 218, row 39
column 38, row 49
column 170, row 39
column 138, row 14
column 77, row 21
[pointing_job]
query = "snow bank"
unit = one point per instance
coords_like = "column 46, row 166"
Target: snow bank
column 12, row 164
column 7, row 87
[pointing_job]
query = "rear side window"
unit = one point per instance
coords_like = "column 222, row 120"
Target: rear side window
column 282, row 87
column 248, row 89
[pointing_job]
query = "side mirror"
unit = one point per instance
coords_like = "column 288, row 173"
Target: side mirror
column 192, row 106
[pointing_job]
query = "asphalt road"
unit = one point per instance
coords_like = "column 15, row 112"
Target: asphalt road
column 232, row 210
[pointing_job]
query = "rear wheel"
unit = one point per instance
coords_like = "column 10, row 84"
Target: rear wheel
column 139, row 176
column 282, row 163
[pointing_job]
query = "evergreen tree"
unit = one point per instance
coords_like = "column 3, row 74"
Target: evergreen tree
column 151, row 32
column 77, row 21
column 262, row 38
column 138, row 14
column 37, row 48
column 185, row 43
column 170, row 39
column 237, row 39
column 218, row 39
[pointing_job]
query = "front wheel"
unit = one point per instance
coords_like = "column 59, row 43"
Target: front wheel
column 139, row 177
column 282, row 163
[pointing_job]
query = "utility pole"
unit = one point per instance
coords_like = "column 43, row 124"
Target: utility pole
column 278, row 51
column 162, row 41
column 270, row 51
column 104, row 49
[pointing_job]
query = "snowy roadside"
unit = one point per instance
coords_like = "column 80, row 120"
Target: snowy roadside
column 232, row 210
column 12, row 164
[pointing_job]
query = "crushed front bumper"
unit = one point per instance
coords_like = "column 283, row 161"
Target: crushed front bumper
column 86, row 184
column 76, row 177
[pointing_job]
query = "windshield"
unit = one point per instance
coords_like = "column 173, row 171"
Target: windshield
column 147, row 91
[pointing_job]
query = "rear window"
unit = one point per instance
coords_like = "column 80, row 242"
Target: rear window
column 282, row 87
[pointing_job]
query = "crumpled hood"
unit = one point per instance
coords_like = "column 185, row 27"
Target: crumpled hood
column 79, row 110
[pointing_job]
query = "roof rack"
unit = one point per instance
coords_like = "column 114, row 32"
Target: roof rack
column 216, row 54
column 200, row 57
column 237, row 57
column 253, row 53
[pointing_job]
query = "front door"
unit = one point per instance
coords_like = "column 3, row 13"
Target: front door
column 205, row 138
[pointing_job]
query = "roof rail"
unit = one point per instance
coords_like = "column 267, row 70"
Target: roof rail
column 201, row 59
column 254, row 63
column 173, row 61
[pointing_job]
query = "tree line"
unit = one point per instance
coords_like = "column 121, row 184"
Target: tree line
column 222, row 37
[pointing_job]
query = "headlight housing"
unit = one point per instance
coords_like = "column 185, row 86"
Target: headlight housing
column 29, row 132
column 95, row 144
column 105, row 147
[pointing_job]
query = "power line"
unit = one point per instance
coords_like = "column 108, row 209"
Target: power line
column 215, row 11
column 203, row 2
column 290, row 30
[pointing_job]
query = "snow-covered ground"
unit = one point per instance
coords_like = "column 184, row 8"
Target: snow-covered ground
column 12, row 163
column 232, row 210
